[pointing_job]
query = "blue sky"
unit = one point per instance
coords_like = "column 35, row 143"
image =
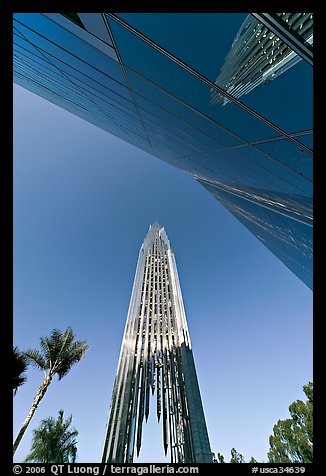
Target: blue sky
column 83, row 202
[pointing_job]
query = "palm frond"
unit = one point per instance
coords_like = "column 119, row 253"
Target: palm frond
column 51, row 346
column 54, row 441
column 35, row 358
column 47, row 350
column 57, row 347
column 70, row 356
column 69, row 336
column 59, row 352
column 19, row 367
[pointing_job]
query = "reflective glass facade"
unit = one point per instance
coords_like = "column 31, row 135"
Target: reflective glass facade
column 258, row 55
column 148, row 78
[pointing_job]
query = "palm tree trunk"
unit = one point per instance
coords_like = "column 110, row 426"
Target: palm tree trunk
column 38, row 397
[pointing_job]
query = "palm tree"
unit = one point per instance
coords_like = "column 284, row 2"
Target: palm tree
column 54, row 442
column 58, row 354
column 20, row 365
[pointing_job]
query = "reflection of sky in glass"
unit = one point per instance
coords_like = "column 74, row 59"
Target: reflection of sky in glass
column 203, row 40
column 157, row 105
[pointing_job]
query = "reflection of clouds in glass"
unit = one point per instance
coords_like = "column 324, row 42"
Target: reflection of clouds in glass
column 283, row 222
column 294, row 207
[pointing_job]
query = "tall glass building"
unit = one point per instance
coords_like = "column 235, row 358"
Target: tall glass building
column 149, row 78
column 156, row 359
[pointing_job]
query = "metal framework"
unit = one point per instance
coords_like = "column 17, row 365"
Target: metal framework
column 281, row 25
column 156, row 357
column 265, row 47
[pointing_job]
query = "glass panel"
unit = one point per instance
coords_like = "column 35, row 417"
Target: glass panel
column 60, row 36
column 86, row 106
column 163, row 72
column 43, row 72
column 307, row 140
column 201, row 40
column 290, row 155
column 184, row 130
column 247, row 167
column 287, row 100
column 63, row 44
column 174, row 138
column 240, row 55
column 89, row 84
column 177, row 107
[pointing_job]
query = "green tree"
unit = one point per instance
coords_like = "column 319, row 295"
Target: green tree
column 19, row 366
column 59, row 353
column 292, row 441
column 236, row 457
column 54, row 442
column 219, row 458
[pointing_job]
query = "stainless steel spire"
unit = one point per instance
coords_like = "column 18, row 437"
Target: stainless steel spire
column 156, row 358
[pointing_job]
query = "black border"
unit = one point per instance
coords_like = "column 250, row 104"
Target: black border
column 6, row 187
